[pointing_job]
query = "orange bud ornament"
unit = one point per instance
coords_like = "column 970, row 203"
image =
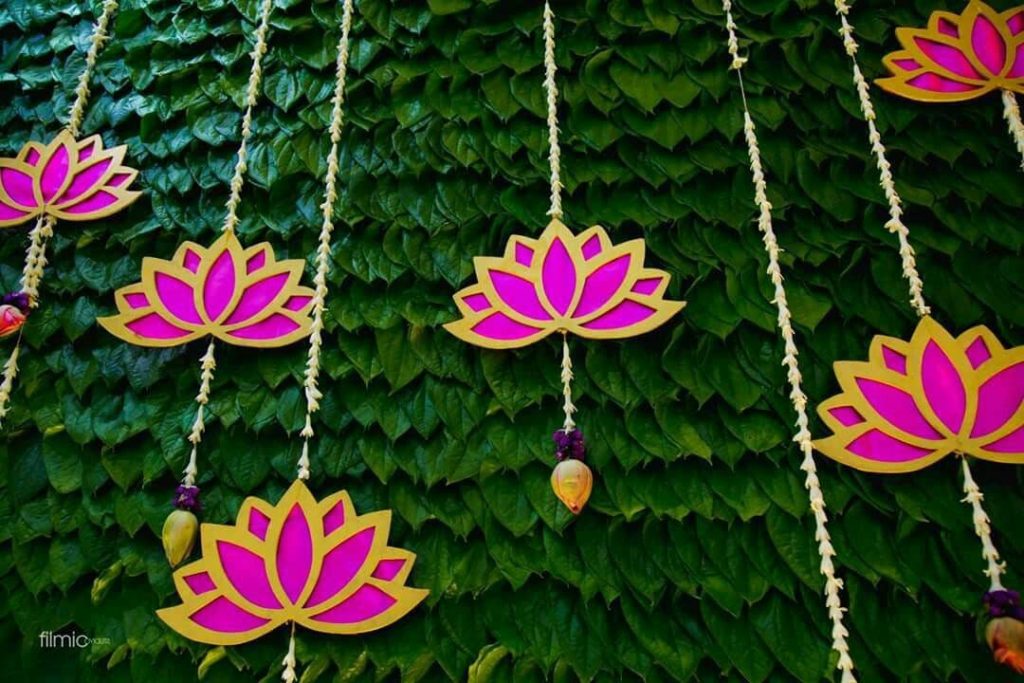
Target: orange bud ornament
column 1005, row 632
column 14, row 310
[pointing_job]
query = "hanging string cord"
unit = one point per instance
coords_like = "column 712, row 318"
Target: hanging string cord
column 567, row 406
column 551, row 88
column 35, row 255
column 1011, row 112
column 289, row 674
column 833, row 585
column 895, row 223
column 323, row 252
column 983, row 528
column 208, row 363
column 251, row 95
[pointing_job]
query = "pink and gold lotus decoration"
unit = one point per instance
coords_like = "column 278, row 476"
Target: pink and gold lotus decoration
column 561, row 282
column 912, row 403
column 319, row 565
column 66, row 179
column 959, row 56
column 240, row 295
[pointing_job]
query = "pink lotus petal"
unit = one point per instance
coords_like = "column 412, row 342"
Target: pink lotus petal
column 86, row 150
column 524, row 255
column 558, row 276
column 500, row 326
column 879, row 447
column 334, row 518
column 273, row 327
column 136, row 300
column 907, row 64
column 988, row 45
column 85, row 181
column 9, row 213
column 602, row 284
column 388, row 569
column 978, row 352
column 258, row 524
column 366, row 603
column 224, row 616
column 294, row 553
column 19, row 187
column 219, row 286
column 297, row 302
column 152, row 326
column 1017, row 68
column 1016, row 23
column 340, row 565
column 948, row 58
column 592, row 247
column 476, row 302
column 999, row 398
column 930, row 82
column 248, row 574
column 847, row 415
column 894, row 360
column 200, row 583
column 119, row 179
column 256, row 298
column 647, row 286
column 624, row 314
column 519, row 294
column 95, row 202
column 33, row 156
column 192, row 261
column 256, row 262
column 943, row 387
column 949, row 28
column 897, row 407
column 1011, row 443
column 55, row 172
column 178, row 297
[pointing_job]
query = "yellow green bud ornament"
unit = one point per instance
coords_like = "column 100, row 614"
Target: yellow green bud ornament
column 181, row 526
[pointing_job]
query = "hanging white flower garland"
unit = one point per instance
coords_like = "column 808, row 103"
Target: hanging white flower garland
column 833, row 585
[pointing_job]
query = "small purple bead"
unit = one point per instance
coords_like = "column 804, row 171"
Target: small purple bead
column 187, row 498
column 1004, row 603
column 17, row 299
column 568, row 445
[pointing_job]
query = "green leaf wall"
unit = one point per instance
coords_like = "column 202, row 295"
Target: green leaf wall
column 695, row 559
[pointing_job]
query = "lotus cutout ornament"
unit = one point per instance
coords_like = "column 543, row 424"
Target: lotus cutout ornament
column 67, row 179
column 561, row 282
column 240, row 295
column 317, row 564
column 914, row 402
column 959, row 56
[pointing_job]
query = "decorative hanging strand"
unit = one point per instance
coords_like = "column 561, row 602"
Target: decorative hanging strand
column 915, row 284
column 1011, row 112
column 208, row 361
column 551, row 88
column 983, row 528
column 323, row 252
column 35, row 256
column 568, row 407
column 895, row 223
column 833, row 585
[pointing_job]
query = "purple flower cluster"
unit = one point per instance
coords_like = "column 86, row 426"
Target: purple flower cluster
column 1004, row 603
column 568, row 445
column 187, row 498
column 19, row 300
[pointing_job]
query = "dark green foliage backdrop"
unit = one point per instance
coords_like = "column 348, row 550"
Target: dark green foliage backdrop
column 695, row 559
